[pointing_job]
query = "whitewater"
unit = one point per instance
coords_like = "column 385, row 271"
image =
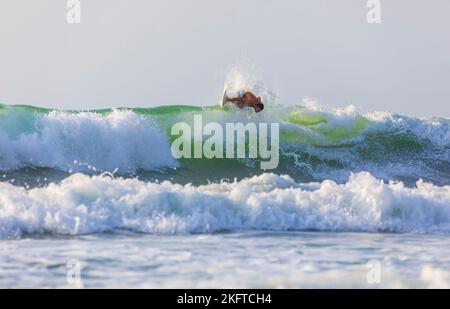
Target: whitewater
column 102, row 187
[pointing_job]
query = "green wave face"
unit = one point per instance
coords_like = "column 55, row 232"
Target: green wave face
column 314, row 145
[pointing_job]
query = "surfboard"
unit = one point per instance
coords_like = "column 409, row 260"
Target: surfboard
column 222, row 102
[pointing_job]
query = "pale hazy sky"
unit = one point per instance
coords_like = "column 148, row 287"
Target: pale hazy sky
column 155, row 52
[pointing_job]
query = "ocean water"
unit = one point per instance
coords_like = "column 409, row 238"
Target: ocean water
column 238, row 259
column 358, row 200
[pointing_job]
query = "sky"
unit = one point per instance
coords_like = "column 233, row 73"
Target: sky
column 142, row 53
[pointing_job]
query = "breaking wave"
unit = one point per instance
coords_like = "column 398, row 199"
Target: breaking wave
column 316, row 144
column 83, row 204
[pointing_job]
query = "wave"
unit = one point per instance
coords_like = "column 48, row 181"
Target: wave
column 82, row 141
column 316, row 144
column 83, row 204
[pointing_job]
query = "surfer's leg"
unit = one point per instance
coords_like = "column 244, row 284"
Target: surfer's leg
column 235, row 100
column 238, row 101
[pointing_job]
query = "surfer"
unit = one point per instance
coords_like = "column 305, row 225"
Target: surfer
column 247, row 99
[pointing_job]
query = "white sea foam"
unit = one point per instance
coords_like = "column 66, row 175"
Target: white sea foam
column 82, row 204
column 435, row 130
column 119, row 140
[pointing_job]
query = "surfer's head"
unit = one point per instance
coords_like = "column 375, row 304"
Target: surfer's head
column 259, row 107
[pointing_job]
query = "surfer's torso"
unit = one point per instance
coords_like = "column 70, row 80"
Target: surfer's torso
column 250, row 99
